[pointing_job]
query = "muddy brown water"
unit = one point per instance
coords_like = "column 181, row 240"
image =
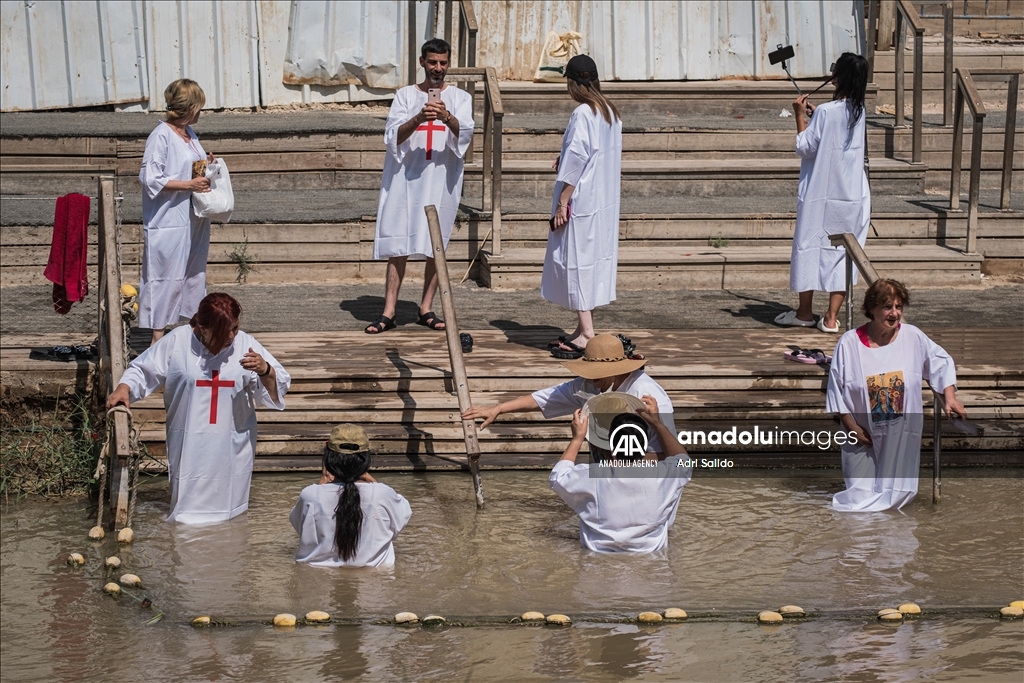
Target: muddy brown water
column 739, row 545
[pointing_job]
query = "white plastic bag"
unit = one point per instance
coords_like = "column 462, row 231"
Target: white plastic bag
column 219, row 203
column 558, row 50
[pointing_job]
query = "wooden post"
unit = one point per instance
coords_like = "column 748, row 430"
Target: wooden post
column 958, row 147
column 871, row 38
column 886, row 16
column 413, row 47
column 975, row 187
column 451, row 330
column 936, row 447
column 1008, row 141
column 899, row 91
column 947, row 63
column 918, row 95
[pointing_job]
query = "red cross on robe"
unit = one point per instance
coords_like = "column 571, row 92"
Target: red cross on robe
column 215, row 384
column 430, row 127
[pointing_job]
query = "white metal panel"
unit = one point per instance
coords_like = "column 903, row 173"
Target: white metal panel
column 72, row 53
column 213, row 42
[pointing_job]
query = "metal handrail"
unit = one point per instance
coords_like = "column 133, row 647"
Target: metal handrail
column 855, row 256
column 967, row 92
column 494, row 112
column 906, row 14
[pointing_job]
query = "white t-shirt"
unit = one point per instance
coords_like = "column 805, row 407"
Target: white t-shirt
column 385, row 513
column 621, row 514
column 566, row 398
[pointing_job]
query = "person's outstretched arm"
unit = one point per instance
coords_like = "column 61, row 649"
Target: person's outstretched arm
column 489, row 413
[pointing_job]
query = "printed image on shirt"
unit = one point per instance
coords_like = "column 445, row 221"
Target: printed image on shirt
column 885, row 394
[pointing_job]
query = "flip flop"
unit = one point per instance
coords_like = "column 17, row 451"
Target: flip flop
column 572, row 353
column 789, row 319
column 808, row 356
column 555, row 344
column 828, row 330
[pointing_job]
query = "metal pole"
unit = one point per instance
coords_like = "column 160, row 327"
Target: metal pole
column 451, row 330
column 958, row 149
column 1008, row 140
column 936, row 448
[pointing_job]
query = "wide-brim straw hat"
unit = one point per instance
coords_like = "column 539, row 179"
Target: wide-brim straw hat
column 604, row 357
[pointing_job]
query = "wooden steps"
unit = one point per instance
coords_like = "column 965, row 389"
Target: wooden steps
column 707, row 267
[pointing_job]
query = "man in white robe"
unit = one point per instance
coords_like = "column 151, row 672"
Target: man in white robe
column 423, row 165
column 211, row 402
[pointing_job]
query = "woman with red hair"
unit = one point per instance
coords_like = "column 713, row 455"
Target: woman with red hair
column 214, row 376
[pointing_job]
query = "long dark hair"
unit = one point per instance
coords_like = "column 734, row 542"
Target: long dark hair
column 348, row 515
column 851, row 76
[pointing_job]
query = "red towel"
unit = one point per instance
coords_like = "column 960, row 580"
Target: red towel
column 66, row 267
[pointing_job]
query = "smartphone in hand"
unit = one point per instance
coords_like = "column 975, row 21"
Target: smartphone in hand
column 433, row 95
column 568, row 215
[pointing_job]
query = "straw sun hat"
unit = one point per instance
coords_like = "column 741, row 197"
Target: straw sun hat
column 604, row 357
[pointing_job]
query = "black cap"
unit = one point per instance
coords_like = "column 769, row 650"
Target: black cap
column 581, row 69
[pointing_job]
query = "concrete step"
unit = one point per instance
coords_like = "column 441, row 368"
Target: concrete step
column 734, row 267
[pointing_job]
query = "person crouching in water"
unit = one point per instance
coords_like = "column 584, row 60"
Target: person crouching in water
column 348, row 519
column 622, row 509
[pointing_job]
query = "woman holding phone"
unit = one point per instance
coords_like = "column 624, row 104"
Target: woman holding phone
column 583, row 245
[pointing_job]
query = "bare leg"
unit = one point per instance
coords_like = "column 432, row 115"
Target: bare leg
column 835, row 302
column 805, row 311
column 157, row 334
column 429, row 289
column 393, row 283
column 584, row 329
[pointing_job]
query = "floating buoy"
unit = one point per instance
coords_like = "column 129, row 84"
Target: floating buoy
column 201, row 621
column 674, row 613
column 76, row 559
column 433, row 620
column 792, row 611
column 532, row 616
column 649, row 617
column 112, row 562
column 1011, row 612
column 112, row 588
column 1017, row 603
column 130, row 580
column 769, row 617
column 406, row 618
column 316, row 616
column 135, row 307
column 125, row 535
column 97, row 533
column 284, row 620
column 909, row 609
column 890, row 614
column 558, row 620
column 128, row 290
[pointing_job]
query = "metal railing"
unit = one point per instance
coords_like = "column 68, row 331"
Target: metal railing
column 494, row 112
column 967, row 92
column 855, row 256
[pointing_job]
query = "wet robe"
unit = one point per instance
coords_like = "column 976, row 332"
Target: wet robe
column 425, row 169
column 583, row 255
column 176, row 242
column 833, row 197
column 211, row 405
column 881, row 389
column 385, row 513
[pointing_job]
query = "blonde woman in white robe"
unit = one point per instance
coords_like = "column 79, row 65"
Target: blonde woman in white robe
column 833, row 195
column 176, row 241
column 583, row 245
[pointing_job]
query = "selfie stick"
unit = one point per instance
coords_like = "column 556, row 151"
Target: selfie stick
column 782, row 55
column 451, row 330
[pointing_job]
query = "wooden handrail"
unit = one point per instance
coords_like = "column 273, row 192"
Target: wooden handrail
column 856, row 253
column 906, row 14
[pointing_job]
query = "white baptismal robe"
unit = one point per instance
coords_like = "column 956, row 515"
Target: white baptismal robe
column 176, row 241
column 211, row 405
column 881, row 389
column 583, row 255
column 425, row 169
column 621, row 514
column 385, row 513
column 833, row 198
column 567, row 397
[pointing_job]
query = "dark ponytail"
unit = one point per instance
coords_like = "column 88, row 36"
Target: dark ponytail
column 348, row 515
column 851, row 76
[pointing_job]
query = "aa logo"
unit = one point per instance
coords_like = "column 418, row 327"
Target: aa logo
column 628, row 439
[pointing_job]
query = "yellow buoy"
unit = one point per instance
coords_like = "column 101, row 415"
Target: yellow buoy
column 125, row 535
column 532, row 616
column 889, row 614
column 284, row 620
column 1017, row 603
column 406, row 618
column 769, row 617
column 558, row 620
column 1011, row 612
column 201, row 621
column 135, row 307
column 433, row 620
column 909, row 608
column 130, row 580
column 791, row 611
column 674, row 613
column 316, row 616
column 76, row 559
column 128, row 290
column 112, row 588
column 649, row 617
column 113, row 562
column 97, row 533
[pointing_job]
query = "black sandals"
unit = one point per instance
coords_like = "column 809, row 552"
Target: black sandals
column 381, row 324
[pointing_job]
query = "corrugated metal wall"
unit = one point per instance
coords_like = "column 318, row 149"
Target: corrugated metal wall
column 247, row 53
